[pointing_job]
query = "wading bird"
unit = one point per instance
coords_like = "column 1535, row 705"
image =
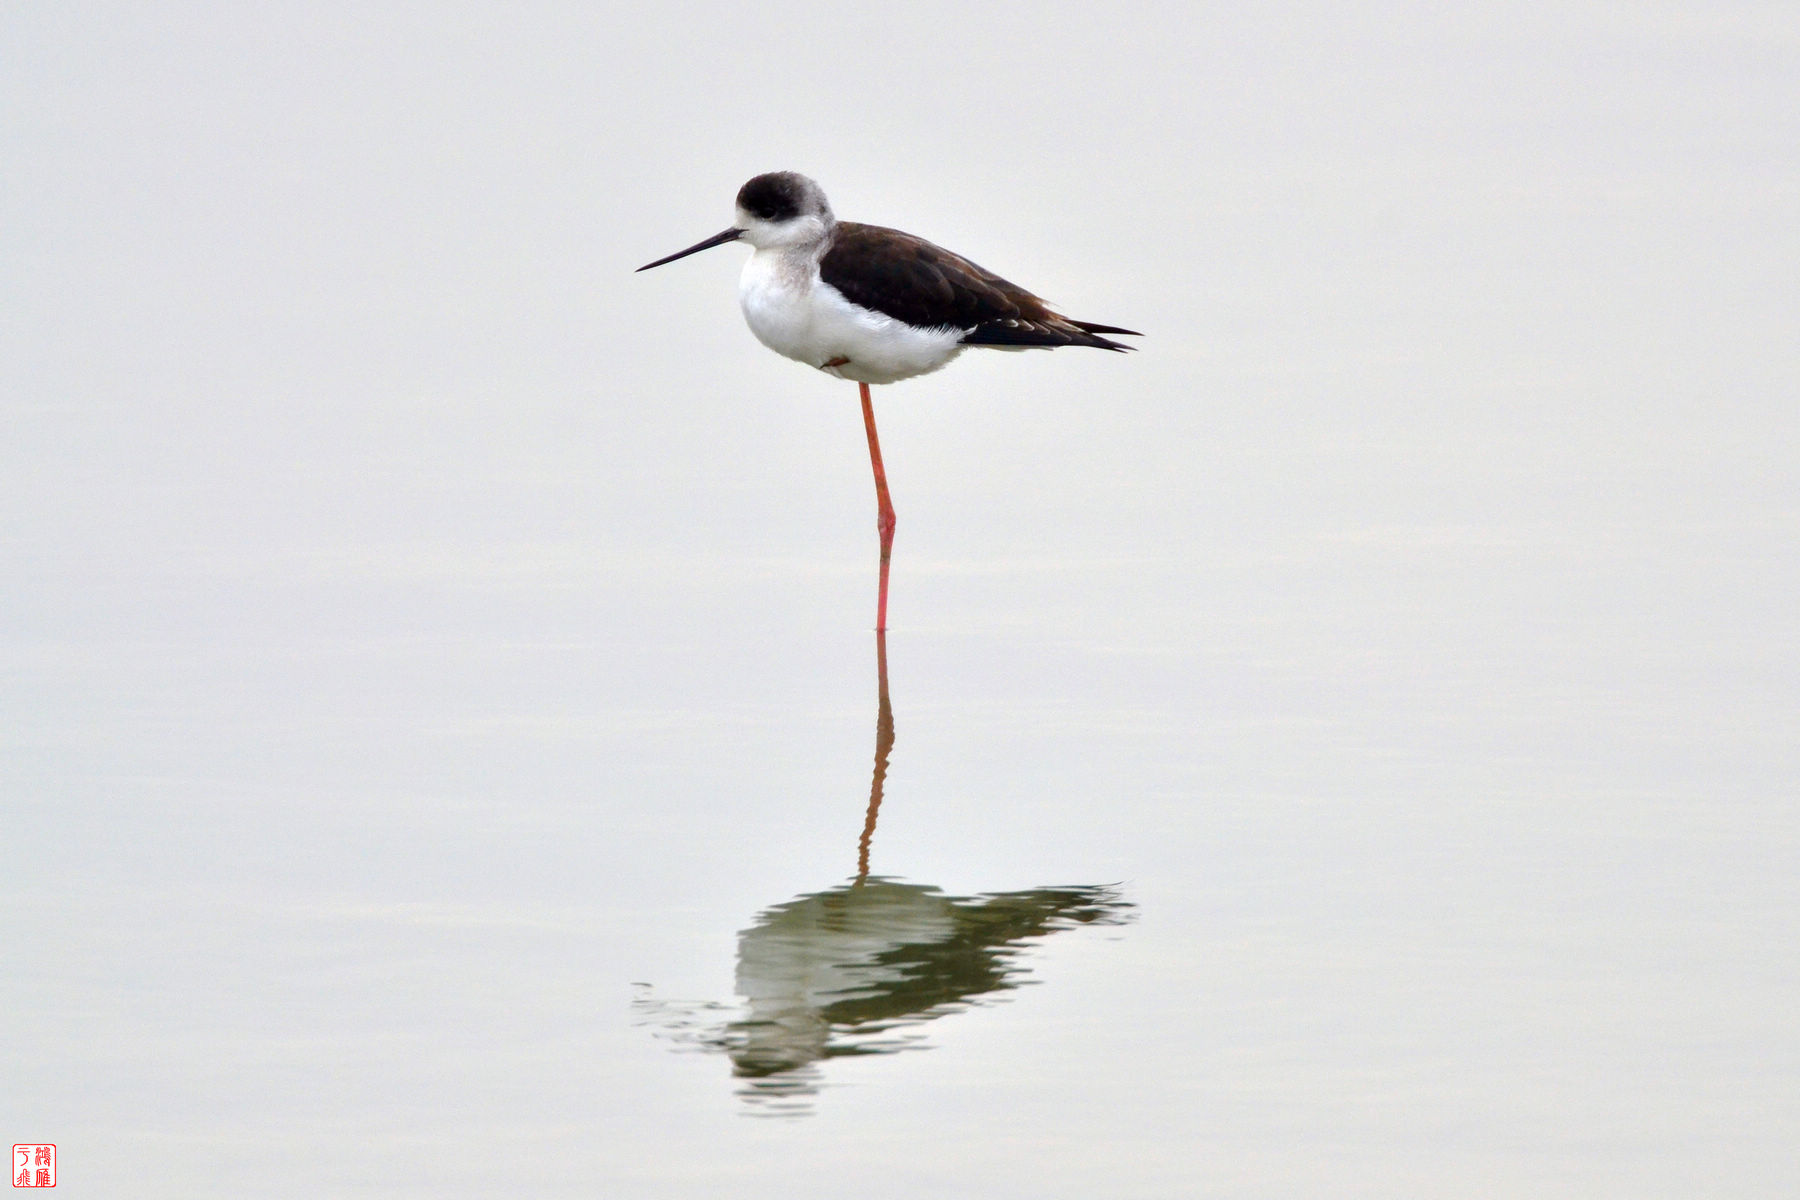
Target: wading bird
column 873, row 305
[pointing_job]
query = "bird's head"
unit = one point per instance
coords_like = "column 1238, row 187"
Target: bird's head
column 781, row 208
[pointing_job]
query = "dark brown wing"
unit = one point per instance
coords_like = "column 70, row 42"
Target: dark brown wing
column 911, row 280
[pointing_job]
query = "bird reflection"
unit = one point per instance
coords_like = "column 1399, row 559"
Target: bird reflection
column 857, row 968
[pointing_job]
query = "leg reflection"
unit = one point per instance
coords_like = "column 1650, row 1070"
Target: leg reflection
column 884, row 745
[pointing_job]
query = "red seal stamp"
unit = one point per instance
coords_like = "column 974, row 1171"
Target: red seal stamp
column 34, row 1165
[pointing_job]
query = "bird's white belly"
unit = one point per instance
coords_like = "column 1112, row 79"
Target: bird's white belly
column 792, row 313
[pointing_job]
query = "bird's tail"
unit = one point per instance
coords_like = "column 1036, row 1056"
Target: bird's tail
column 1018, row 334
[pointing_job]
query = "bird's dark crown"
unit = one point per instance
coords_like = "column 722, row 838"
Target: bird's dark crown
column 777, row 196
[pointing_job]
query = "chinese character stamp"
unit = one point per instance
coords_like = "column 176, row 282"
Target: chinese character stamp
column 34, row 1165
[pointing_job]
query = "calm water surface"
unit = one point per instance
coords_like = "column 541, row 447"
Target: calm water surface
column 1074, row 912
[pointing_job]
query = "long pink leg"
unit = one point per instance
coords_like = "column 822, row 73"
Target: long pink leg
column 884, row 518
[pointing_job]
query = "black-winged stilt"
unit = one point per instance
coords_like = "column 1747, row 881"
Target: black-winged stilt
column 874, row 305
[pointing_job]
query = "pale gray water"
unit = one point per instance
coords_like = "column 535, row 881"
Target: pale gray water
column 1347, row 748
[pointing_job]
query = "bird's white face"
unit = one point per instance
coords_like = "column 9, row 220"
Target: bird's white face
column 804, row 229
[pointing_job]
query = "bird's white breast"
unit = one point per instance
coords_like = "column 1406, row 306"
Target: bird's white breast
column 794, row 313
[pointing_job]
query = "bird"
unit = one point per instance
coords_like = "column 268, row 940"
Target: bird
column 874, row 305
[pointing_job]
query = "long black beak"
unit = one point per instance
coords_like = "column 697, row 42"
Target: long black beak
column 717, row 239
